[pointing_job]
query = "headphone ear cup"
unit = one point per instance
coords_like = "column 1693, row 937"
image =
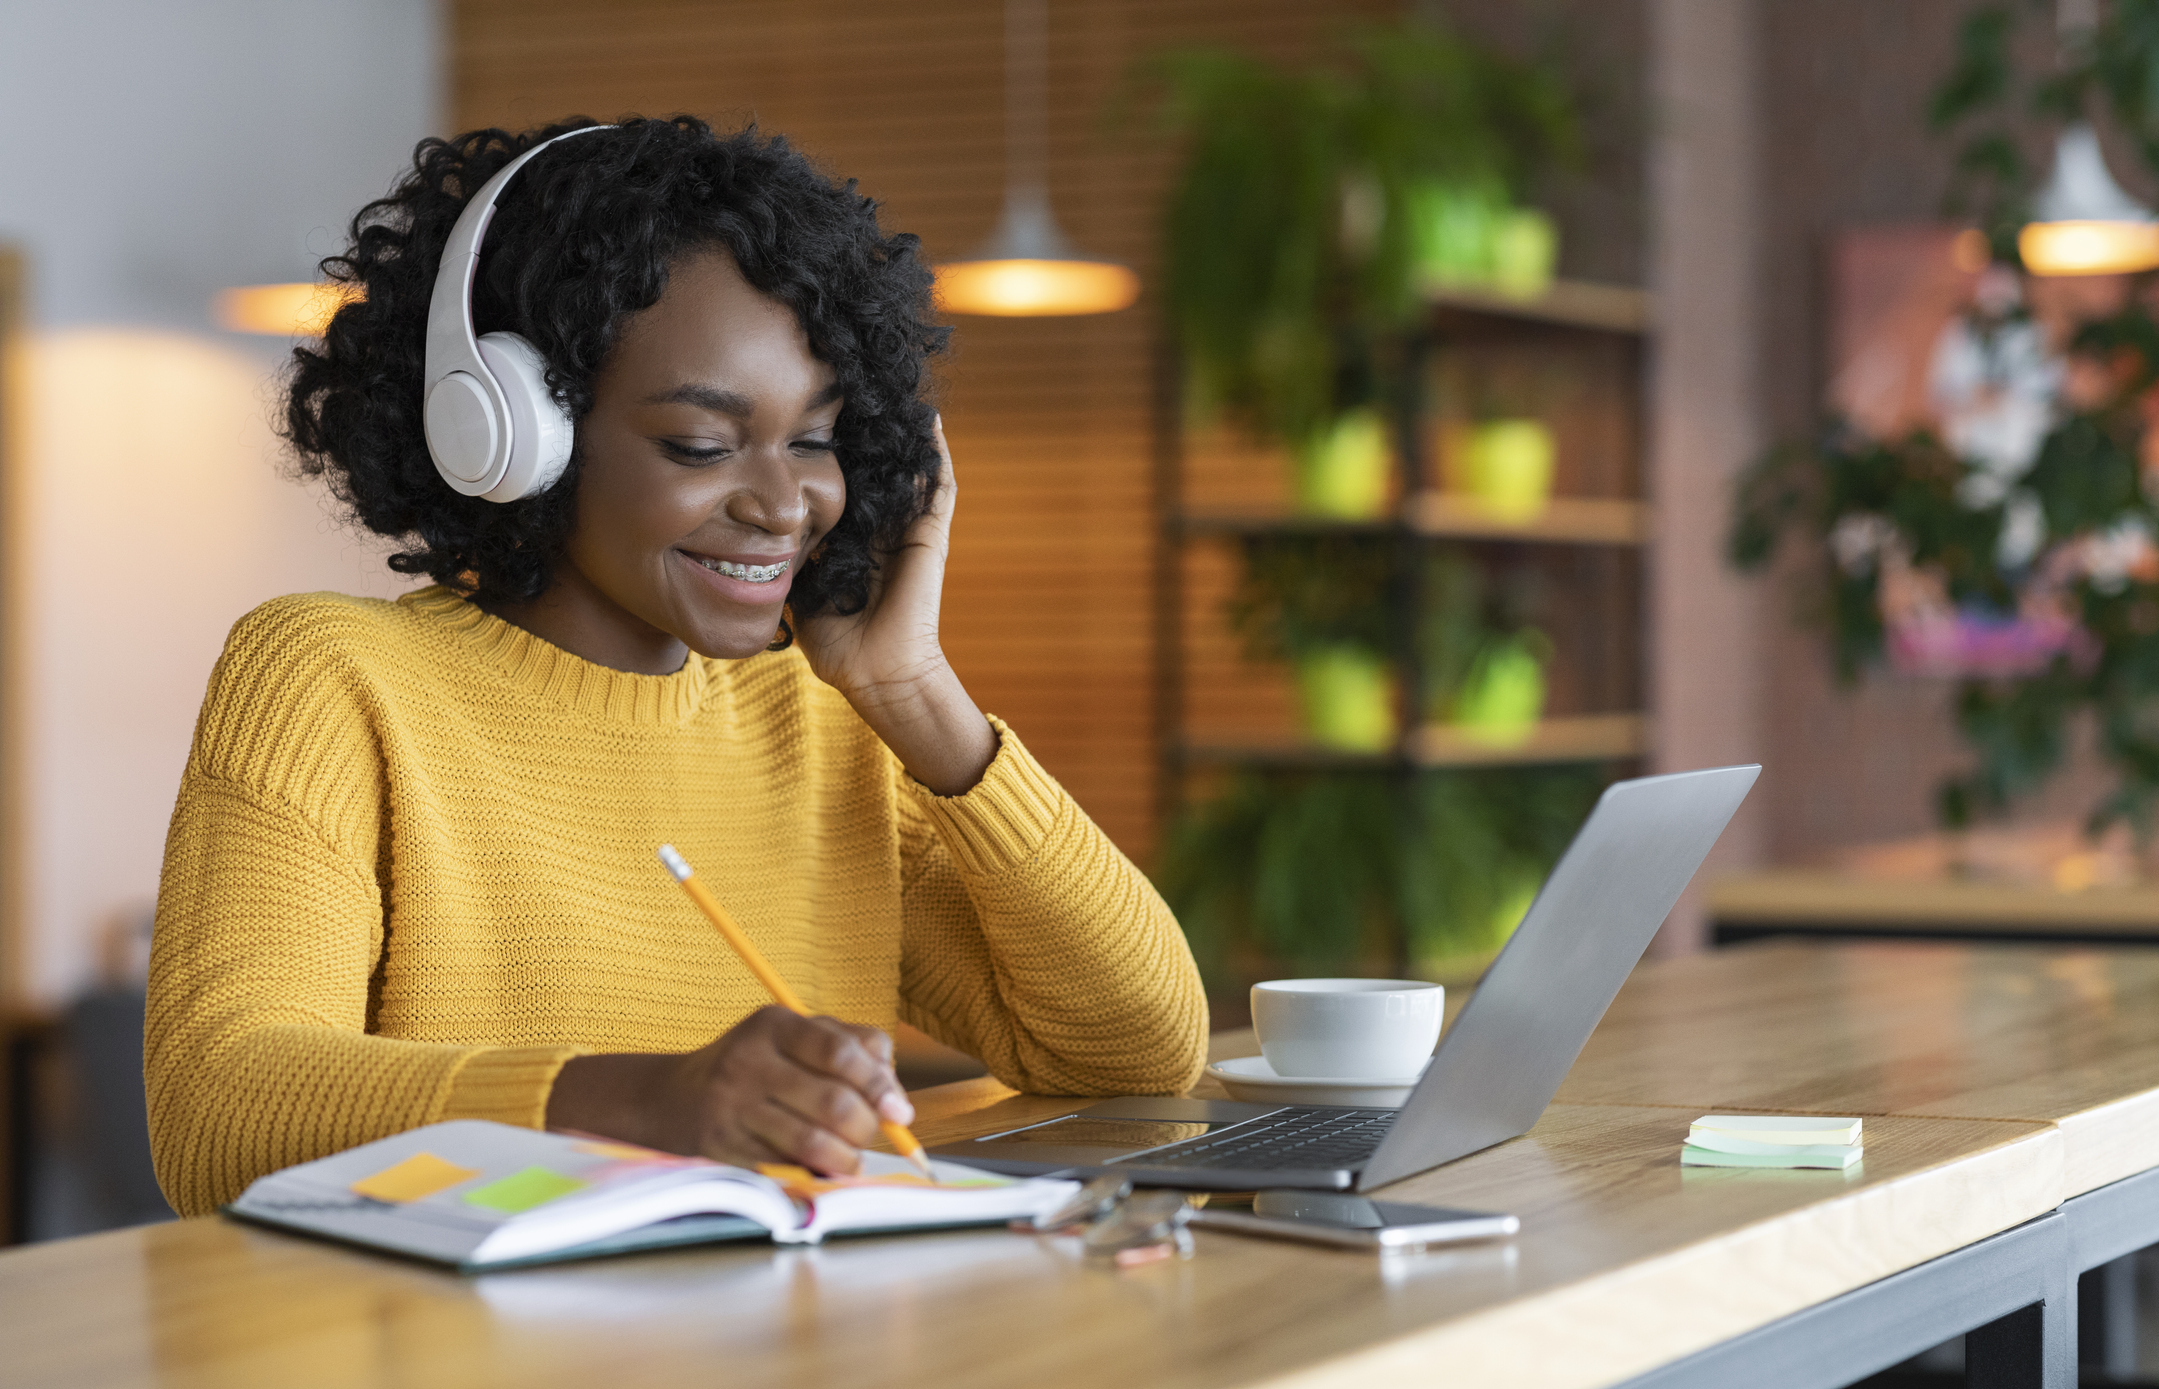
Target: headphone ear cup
column 541, row 433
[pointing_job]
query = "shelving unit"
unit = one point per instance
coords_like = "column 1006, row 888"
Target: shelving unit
column 1584, row 738
column 1568, row 303
column 1565, row 521
column 1583, row 346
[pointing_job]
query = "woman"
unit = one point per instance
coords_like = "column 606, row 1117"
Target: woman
column 410, row 876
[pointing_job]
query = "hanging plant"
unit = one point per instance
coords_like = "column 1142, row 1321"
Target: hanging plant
column 1308, row 199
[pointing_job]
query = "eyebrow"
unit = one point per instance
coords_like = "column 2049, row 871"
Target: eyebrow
column 733, row 403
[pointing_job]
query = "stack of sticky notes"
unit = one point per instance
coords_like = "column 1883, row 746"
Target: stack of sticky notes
column 1771, row 1140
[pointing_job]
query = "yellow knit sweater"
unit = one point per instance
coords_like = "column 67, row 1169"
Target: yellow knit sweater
column 411, row 873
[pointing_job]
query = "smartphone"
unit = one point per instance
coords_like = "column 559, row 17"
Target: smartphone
column 1355, row 1222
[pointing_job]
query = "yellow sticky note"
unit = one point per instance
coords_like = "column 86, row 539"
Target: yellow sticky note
column 421, row 1175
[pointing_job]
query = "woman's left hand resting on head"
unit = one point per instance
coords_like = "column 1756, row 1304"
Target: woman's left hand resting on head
column 889, row 662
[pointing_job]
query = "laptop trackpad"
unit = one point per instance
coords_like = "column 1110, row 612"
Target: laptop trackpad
column 1103, row 1132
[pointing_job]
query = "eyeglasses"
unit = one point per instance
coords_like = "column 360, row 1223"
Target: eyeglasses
column 1115, row 1222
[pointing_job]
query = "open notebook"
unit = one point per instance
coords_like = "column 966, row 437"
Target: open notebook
column 481, row 1195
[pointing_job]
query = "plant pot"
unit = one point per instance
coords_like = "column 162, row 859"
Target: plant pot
column 1510, row 468
column 1503, row 698
column 1348, row 698
column 1454, row 226
column 1525, row 248
column 1467, row 237
column 1345, row 472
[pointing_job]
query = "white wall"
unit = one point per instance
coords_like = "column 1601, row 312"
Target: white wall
column 160, row 150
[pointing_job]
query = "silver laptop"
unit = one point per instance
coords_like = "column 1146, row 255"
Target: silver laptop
column 1495, row 1070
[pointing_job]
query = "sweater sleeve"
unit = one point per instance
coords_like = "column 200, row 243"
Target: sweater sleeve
column 269, row 929
column 1028, row 940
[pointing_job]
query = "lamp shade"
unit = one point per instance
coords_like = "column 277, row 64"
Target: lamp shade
column 1028, row 269
column 2086, row 224
column 287, row 311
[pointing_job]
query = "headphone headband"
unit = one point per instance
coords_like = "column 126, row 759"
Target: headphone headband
column 481, row 427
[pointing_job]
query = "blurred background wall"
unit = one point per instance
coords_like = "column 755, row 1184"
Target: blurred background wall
column 173, row 150
column 163, row 151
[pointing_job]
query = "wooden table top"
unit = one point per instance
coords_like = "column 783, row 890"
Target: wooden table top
column 2066, row 1035
column 1968, row 907
column 1625, row 1261
column 1993, row 1079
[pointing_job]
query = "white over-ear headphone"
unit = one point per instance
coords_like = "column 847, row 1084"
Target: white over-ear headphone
column 493, row 428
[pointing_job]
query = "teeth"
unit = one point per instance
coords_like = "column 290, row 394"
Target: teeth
column 752, row 573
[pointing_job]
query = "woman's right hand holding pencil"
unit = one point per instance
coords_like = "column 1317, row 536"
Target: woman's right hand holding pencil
column 776, row 1087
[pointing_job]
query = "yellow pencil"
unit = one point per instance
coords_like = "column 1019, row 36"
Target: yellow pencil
column 897, row 1134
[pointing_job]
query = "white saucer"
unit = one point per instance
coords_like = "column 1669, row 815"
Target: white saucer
column 1251, row 1078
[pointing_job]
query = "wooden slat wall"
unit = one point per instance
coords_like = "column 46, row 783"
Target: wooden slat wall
column 1048, row 608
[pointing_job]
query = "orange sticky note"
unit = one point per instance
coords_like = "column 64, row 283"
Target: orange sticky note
column 421, row 1175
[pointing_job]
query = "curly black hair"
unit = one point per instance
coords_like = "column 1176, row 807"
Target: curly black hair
column 583, row 236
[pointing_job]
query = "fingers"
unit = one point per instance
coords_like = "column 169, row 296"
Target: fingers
column 860, row 1058
column 784, row 1088
column 948, row 486
column 802, row 1141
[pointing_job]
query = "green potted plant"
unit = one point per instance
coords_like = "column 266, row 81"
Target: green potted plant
column 1312, row 207
column 1483, row 659
column 1324, row 604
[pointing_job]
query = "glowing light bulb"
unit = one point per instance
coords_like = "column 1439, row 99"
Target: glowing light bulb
column 1027, row 287
column 2089, row 248
column 2086, row 224
column 288, row 311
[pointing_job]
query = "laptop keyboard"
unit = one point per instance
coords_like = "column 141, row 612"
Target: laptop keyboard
column 1292, row 1139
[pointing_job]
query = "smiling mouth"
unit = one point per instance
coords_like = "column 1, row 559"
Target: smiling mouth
column 748, row 573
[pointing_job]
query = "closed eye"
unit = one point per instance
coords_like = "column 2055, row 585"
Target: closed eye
column 685, row 453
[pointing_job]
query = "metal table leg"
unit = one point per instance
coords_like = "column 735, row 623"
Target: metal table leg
column 2107, row 1317
column 2106, row 1228
column 2012, row 1296
column 2114, row 1221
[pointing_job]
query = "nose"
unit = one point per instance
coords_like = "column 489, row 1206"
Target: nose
column 769, row 495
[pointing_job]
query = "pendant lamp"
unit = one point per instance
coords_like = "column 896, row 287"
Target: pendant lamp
column 2086, row 224
column 285, row 311
column 1028, row 268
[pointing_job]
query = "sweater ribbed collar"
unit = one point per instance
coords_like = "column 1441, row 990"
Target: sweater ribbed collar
column 544, row 669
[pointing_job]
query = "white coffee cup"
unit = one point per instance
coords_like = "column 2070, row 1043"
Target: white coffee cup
column 1347, row 1029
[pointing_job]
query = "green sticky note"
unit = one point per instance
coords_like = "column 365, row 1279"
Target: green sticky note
column 1691, row 1156
column 521, row 1191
